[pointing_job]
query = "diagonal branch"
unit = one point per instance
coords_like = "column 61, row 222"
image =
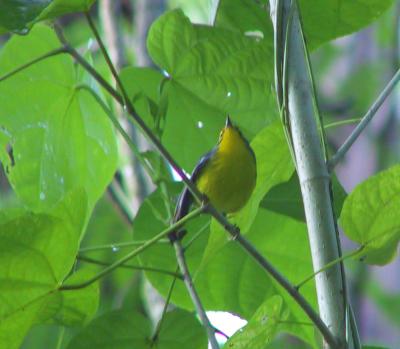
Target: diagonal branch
column 180, row 256
column 364, row 122
column 135, row 252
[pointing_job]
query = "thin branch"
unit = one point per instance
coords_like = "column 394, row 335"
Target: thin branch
column 180, row 256
column 129, row 266
column 134, row 253
column 119, row 198
column 49, row 54
column 106, row 56
column 120, row 129
column 132, row 114
column 364, row 122
column 330, row 264
column 118, row 245
column 164, row 311
column 342, row 123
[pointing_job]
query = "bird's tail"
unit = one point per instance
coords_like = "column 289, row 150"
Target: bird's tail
column 182, row 209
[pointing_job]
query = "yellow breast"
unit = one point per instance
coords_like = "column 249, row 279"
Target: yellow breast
column 229, row 177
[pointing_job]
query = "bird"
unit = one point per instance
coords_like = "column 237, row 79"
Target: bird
column 226, row 176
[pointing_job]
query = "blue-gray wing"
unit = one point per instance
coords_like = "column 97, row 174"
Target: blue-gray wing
column 186, row 198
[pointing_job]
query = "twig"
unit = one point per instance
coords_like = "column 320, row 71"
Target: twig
column 134, row 253
column 129, row 266
column 116, row 246
column 330, row 264
column 52, row 53
column 120, row 129
column 342, row 123
column 118, row 197
column 193, row 294
column 364, row 122
column 164, row 311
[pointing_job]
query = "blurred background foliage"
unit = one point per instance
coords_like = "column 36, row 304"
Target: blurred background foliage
column 349, row 74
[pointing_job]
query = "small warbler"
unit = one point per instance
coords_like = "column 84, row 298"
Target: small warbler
column 226, row 175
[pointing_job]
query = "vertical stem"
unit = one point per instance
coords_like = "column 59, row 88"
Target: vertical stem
column 193, row 294
column 312, row 170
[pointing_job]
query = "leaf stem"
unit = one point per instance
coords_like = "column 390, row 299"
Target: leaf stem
column 49, row 54
column 330, row 264
column 135, row 252
column 129, row 266
column 180, row 256
column 120, row 129
column 342, row 123
column 119, row 245
column 164, row 311
column 364, row 122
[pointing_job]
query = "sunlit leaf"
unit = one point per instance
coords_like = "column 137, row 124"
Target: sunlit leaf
column 19, row 15
column 285, row 198
column 261, row 328
column 128, row 329
column 370, row 215
column 60, row 138
column 37, row 251
column 212, row 71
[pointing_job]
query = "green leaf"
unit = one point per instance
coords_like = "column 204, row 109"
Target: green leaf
column 373, row 347
column 370, row 215
column 15, row 15
column 61, row 138
column 285, row 198
column 233, row 273
column 19, row 15
column 246, row 16
column 122, row 329
column 211, row 71
column 261, row 328
column 129, row 329
column 143, row 88
column 330, row 19
column 322, row 20
column 78, row 306
column 37, row 251
column 181, row 329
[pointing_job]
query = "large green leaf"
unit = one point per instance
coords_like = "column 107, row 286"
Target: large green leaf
column 78, row 306
column 61, row 139
column 210, row 72
column 19, row 15
column 285, row 198
column 329, row 19
column 125, row 328
column 232, row 281
column 37, row 252
column 370, row 215
column 322, row 20
column 181, row 329
column 261, row 328
column 143, row 88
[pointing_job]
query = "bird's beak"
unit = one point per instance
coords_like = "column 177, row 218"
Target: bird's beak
column 228, row 122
